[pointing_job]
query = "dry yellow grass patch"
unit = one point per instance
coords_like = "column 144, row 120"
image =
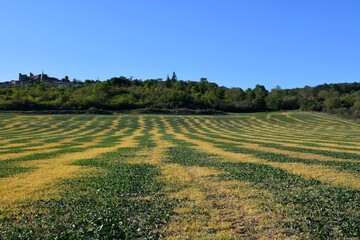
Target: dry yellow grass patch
column 12, row 145
column 294, row 154
column 265, row 149
column 130, row 141
column 11, row 124
column 291, row 116
column 202, row 171
column 174, row 173
column 152, row 155
column 96, row 137
column 7, row 156
column 274, row 150
column 279, row 123
column 214, row 209
column 5, row 141
column 293, row 141
column 322, row 173
column 265, row 128
column 329, row 118
column 49, row 147
column 27, row 186
column 12, row 118
column 24, row 186
column 328, row 174
column 305, row 131
column 46, row 148
column 56, row 126
column 113, row 126
column 290, row 141
column 44, row 134
column 25, row 127
column 85, row 125
column 208, row 213
column 12, row 128
column 301, row 154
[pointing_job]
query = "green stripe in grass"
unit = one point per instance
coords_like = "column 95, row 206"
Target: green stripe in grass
column 313, row 209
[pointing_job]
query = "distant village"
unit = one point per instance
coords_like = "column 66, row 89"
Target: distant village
column 31, row 79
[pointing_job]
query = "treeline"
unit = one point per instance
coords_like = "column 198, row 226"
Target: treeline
column 121, row 93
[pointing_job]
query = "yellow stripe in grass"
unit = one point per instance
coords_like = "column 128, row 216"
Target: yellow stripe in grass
column 26, row 186
column 327, row 175
column 284, row 142
column 310, row 134
column 294, row 154
column 211, row 208
column 26, row 127
column 50, row 147
column 23, row 186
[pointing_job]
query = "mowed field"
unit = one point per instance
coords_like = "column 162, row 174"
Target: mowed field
column 287, row 175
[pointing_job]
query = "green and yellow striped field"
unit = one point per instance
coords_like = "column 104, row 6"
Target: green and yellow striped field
column 287, row 175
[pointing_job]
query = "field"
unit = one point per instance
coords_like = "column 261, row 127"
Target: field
column 287, row 175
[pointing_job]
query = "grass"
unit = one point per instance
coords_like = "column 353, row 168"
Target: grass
column 310, row 208
column 122, row 202
column 267, row 175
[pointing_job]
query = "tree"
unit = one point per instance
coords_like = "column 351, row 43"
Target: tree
column 234, row 95
column 168, row 82
column 274, row 100
column 120, row 81
column 250, row 95
column 260, row 92
column 290, row 103
column 174, row 77
column 356, row 106
column 66, row 79
column 331, row 103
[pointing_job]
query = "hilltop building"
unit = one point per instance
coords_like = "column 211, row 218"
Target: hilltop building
column 26, row 80
column 44, row 78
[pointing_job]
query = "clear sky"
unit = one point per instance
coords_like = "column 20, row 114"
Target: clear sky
column 231, row 42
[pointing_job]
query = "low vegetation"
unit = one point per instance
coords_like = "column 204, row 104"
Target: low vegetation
column 262, row 175
column 173, row 95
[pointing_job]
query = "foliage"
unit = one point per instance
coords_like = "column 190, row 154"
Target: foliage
column 123, row 202
column 121, row 93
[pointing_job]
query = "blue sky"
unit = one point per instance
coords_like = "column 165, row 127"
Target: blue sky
column 232, row 42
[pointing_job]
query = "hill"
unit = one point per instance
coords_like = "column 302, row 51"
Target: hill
column 121, row 94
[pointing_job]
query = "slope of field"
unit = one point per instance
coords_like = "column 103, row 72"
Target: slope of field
column 268, row 176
